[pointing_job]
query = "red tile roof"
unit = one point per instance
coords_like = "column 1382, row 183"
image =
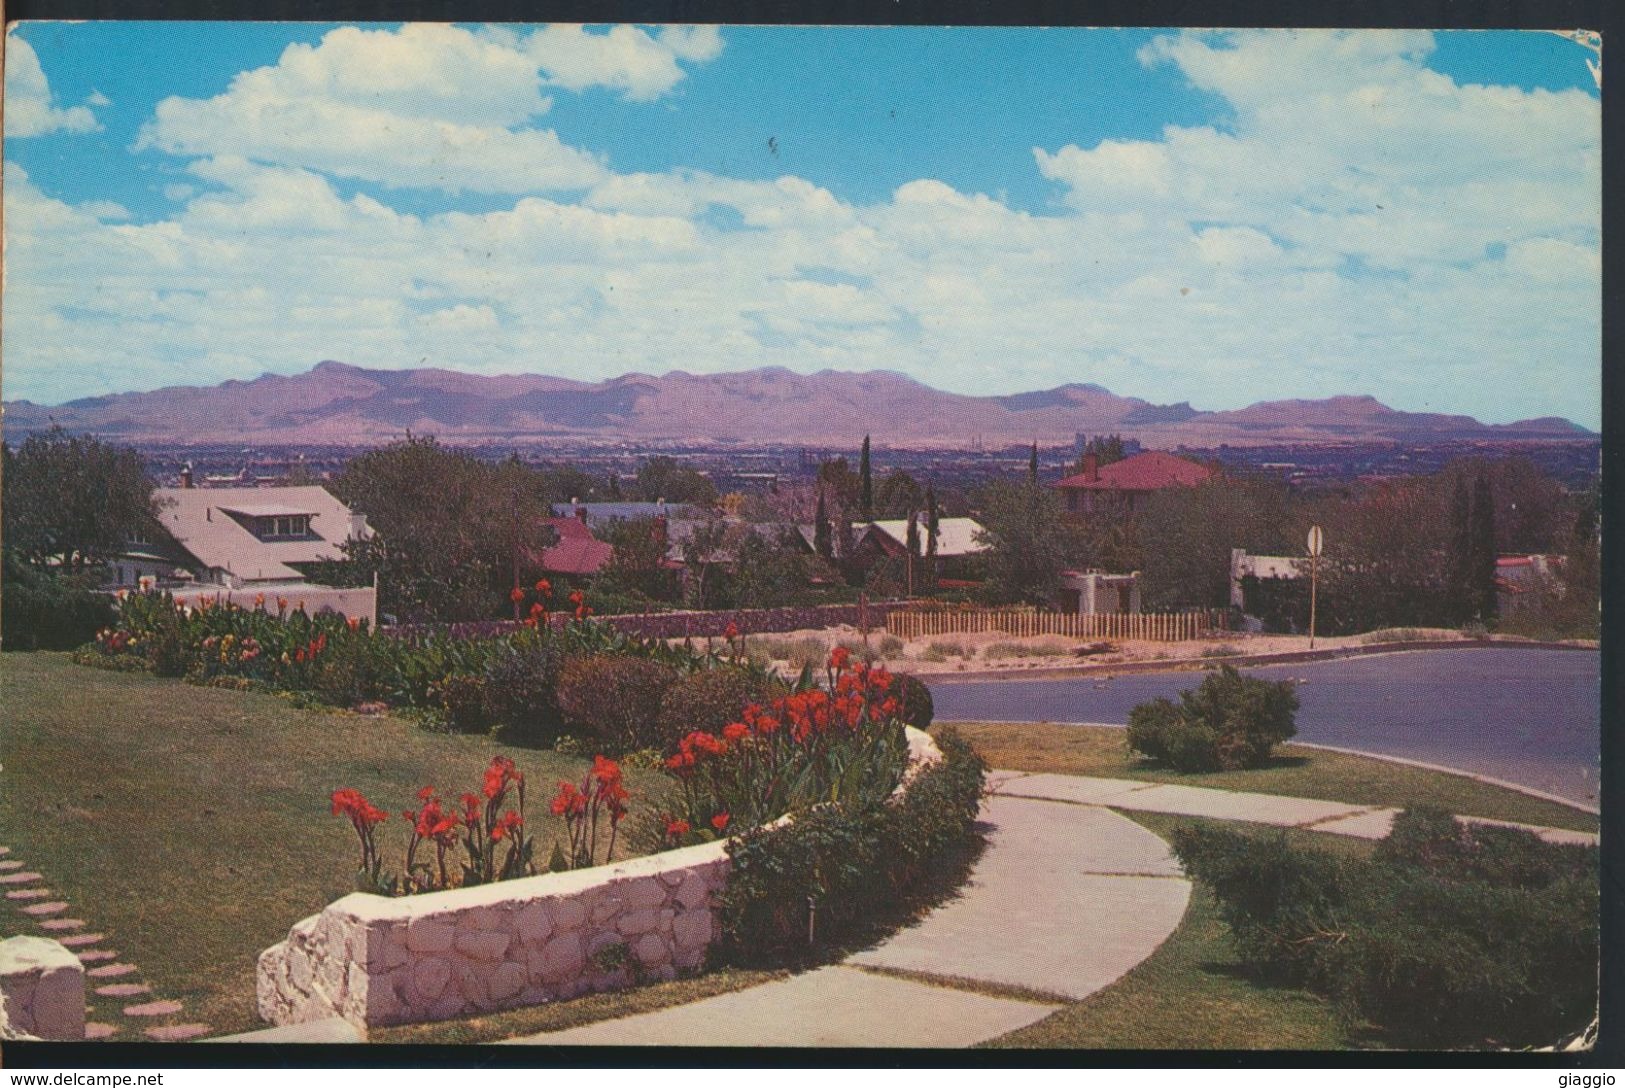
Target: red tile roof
column 577, row 552
column 1143, row 472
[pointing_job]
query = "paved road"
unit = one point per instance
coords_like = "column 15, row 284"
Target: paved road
column 1526, row 716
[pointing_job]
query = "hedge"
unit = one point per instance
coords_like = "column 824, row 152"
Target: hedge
column 851, row 863
column 1449, row 936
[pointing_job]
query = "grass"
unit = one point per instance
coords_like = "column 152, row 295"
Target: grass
column 1102, row 751
column 560, row 1015
column 192, row 826
column 1191, row 993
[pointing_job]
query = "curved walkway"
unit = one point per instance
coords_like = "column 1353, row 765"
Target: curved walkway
column 1063, row 902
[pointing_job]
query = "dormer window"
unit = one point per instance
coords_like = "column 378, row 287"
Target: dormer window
column 286, row 526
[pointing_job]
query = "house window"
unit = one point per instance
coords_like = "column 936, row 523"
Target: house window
column 283, row 527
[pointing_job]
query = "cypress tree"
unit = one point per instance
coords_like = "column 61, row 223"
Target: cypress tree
column 822, row 543
column 866, row 484
column 1032, row 467
column 1483, row 551
column 1463, row 598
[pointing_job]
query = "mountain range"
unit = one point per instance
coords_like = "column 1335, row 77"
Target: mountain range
column 335, row 403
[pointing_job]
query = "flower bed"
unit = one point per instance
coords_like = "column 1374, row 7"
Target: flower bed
column 375, row 960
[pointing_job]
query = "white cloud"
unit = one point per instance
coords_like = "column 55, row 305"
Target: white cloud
column 428, row 105
column 1324, row 238
column 29, row 108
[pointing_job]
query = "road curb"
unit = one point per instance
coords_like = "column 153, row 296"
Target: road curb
column 1528, row 791
column 1200, row 664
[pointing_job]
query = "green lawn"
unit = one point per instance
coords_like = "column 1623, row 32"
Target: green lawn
column 1296, row 772
column 192, row 825
column 1191, row 994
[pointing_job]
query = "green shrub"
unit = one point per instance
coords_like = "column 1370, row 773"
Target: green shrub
column 40, row 611
column 999, row 650
column 1449, row 936
column 350, row 672
column 462, row 696
column 855, row 862
column 890, row 646
column 705, row 700
column 615, row 701
column 1223, row 650
column 932, row 653
column 860, row 651
column 1228, row 722
column 915, row 706
column 522, row 690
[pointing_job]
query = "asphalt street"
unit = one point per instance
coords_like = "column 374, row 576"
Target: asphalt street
column 1527, row 716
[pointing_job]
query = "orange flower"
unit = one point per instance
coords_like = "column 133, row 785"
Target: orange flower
column 674, row 828
column 720, row 821
column 516, row 595
column 544, row 587
column 839, row 657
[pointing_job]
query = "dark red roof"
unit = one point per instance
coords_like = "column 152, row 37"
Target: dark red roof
column 1143, row 472
column 577, row 552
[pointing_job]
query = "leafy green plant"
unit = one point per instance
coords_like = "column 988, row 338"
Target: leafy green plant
column 1450, row 936
column 706, row 701
column 44, row 611
column 846, row 861
column 1229, row 721
column 614, row 700
column 915, row 706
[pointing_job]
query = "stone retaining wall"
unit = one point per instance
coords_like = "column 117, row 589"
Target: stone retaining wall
column 376, row 961
column 42, row 990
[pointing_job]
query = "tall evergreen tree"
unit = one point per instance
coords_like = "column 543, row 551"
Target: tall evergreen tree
column 1463, row 599
column 1483, row 550
column 822, row 543
column 1032, row 467
column 866, row 484
column 931, row 525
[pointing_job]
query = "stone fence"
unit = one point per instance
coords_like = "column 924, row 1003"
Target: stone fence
column 707, row 624
column 42, row 990
column 376, row 960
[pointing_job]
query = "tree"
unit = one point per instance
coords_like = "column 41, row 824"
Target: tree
column 1107, row 449
column 771, row 573
column 1028, row 541
column 448, row 530
column 1483, row 550
column 663, row 478
column 931, row 527
column 899, row 495
column 822, row 542
column 1032, row 467
column 702, row 549
column 74, row 502
column 866, row 484
column 913, row 545
column 638, row 563
column 614, row 490
column 1182, row 539
column 1463, row 600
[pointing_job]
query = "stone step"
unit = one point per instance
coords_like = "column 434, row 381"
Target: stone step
column 95, row 955
column 55, row 924
column 9, row 866
column 79, row 940
column 176, row 1033
column 154, row 1008
column 100, row 1031
column 42, row 909
column 4, row 850
column 111, row 970
column 30, row 893
column 124, row 989
column 20, row 878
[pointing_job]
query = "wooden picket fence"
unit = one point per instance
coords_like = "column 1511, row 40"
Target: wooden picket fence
column 1024, row 622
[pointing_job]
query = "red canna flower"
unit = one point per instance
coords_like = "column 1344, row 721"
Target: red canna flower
column 735, row 731
column 677, row 827
column 516, row 595
column 732, row 632
column 355, row 623
column 839, row 657
column 506, row 826
column 720, row 821
column 544, row 587
column 606, row 771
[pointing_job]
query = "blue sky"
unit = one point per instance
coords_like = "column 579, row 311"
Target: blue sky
column 1212, row 218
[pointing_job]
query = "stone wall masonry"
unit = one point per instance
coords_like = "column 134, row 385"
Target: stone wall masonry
column 377, row 961
column 42, row 990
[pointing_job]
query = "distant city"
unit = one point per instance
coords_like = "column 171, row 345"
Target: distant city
column 733, row 469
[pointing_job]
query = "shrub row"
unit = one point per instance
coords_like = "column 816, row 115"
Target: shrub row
column 41, row 611
column 1449, row 936
column 847, row 863
column 1228, row 722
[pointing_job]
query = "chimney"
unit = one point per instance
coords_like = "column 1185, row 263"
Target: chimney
column 186, row 476
column 1091, row 468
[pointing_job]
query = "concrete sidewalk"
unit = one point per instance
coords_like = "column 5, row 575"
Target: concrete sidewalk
column 1332, row 817
column 1063, row 902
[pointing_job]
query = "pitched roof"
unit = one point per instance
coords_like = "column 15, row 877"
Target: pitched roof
column 201, row 521
column 1149, row 471
column 955, row 536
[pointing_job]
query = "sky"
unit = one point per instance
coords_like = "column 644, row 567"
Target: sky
column 1218, row 218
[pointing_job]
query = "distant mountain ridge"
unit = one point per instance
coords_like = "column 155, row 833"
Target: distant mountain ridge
column 335, row 403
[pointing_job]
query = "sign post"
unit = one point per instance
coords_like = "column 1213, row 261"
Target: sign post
column 1317, row 541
